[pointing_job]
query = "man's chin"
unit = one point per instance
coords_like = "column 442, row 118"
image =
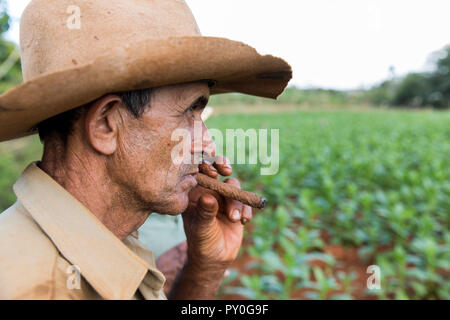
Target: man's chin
column 178, row 200
column 176, row 206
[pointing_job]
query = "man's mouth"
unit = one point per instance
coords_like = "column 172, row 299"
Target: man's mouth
column 193, row 173
column 190, row 180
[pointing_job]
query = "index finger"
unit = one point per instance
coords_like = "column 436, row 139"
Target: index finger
column 222, row 164
column 209, row 170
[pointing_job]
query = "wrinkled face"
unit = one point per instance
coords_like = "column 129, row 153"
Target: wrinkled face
column 143, row 163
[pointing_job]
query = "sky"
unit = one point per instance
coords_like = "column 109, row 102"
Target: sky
column 336, row 44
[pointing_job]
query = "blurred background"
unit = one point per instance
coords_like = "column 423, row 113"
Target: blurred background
column 364, row 173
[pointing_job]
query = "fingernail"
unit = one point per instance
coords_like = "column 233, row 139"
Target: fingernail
column 236, row 215
column 225, row 163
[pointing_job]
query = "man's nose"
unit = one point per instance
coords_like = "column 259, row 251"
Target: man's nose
column 202, row 141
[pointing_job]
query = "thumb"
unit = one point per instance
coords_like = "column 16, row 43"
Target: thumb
column 207, row 208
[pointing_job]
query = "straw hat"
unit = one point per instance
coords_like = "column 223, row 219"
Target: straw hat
column 75, row 51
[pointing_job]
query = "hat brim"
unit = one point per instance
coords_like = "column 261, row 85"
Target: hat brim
column 235, row 66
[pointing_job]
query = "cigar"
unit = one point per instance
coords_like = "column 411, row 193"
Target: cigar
column 249, row 198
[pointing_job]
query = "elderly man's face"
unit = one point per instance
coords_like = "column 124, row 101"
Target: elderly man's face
column 143, row 163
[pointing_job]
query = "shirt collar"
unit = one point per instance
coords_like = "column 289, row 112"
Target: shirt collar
column 104, row 260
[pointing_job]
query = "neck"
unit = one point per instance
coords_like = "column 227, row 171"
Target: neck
column 86, row 178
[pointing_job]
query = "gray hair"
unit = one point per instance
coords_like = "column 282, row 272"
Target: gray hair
column 62, row 124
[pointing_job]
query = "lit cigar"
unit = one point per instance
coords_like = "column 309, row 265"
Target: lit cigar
column 228, row 191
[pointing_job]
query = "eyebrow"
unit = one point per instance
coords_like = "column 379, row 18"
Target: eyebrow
column 202, row 101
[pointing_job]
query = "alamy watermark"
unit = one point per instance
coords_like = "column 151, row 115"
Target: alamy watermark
column 73, row 281
column 74, row 20
column 238, row 146
column 374, row 281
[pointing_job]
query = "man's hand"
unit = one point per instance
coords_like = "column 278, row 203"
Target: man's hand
column 214, row 235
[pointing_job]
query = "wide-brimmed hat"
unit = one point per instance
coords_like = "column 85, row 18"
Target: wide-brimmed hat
column 75, row 51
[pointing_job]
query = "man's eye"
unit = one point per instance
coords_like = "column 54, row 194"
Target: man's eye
column 192, row 108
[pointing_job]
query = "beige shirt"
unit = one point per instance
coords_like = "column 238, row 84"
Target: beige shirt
column 53, row 247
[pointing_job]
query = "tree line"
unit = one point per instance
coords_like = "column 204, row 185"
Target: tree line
column 418, row 89
column 10, row 71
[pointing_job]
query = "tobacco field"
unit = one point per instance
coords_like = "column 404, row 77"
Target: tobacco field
column 354, row 189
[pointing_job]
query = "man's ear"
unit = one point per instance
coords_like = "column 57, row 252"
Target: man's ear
column 102, row 123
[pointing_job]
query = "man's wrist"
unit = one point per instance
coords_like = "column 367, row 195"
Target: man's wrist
column 198, row 281
column 205, row 269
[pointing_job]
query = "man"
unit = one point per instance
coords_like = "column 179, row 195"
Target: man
column 106, row 83
column 164, row 235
